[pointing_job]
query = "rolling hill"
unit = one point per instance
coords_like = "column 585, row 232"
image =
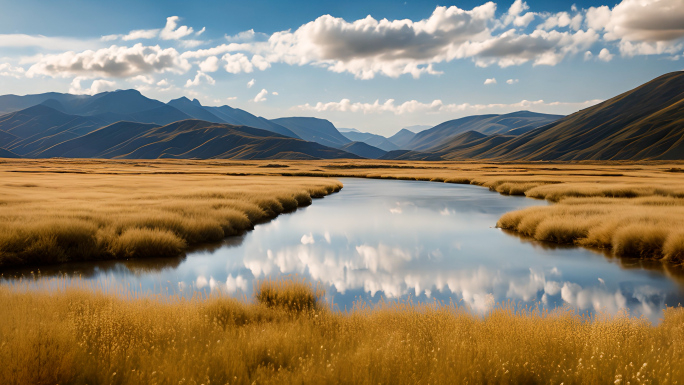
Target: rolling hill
column 35, row 128
column 7, row 154
column 402, row 138
column 12, row 103
column 226, row 114
column 363, row 150
column 521, row 121
column 190, row 139
column 314, row 130
column 374, row 140
column 644, row 123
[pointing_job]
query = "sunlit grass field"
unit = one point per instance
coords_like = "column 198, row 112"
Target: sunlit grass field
column 60, row 217
column 64, row 210
column 57, row 210
column 77, row 335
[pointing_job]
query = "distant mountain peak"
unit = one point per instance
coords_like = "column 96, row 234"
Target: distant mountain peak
column 129, row 91
column 185, row 100
column 182, row 99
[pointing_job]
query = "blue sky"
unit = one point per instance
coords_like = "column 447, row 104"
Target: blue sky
column 413, row 62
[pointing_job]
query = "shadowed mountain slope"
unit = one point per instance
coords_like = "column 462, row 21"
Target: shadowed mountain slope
column 374, row 140
column 314, row 130
column 7, row 154
column 101, row 143
column 410, row 155
column 110, row 107
column 238, row 117
column 459, row 141
column 521, row 121
column 190, row 139
column 402, row 138
column 644, row 123
column 194, row 109
column 364, row 150
column 12, row 103
column 6, row 138
column 39, row 127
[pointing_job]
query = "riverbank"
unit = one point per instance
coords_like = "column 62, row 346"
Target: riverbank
column 633, row 209
column 53, row 217
column 80, row 335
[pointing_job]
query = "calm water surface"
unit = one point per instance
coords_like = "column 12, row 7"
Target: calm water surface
column 382, row 239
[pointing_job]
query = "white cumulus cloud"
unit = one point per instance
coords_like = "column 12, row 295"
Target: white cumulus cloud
column 210, row 64
column 605, row 55
column 436, row 106
column 6, row 69
column 97, row 86
column 642, row 27
column 490, row 81
column 200, row 77
column 174, row 32
column 115, row 61
column 261, row 96
column 251, row 83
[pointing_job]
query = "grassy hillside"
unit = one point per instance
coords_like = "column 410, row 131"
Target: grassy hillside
column 374, row 140
column 403, row 137
column 363, row 150
column 644, row 123
column 314, row 130
column 7, row 154
column 73, row 335
column 187, row 139
column 521, row 121
column 40, row 127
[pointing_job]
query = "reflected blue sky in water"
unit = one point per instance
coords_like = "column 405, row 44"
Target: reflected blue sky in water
column 393, row 239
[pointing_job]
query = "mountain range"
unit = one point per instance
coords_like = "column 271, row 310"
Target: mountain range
column 644, row 123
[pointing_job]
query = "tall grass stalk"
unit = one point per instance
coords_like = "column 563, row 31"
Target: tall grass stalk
column 79, row 217
column 78, row 334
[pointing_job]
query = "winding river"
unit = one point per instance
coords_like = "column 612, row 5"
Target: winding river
column 387, row 240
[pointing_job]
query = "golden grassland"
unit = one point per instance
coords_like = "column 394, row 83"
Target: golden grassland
column 51, row 217
column 58, row 209
column 55, row 210
column 77, row 335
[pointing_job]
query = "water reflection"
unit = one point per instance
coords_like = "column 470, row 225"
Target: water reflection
column 393, row 239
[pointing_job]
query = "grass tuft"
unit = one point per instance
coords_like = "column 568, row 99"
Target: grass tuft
column 79, row 334
column 292, row 295
column 81, row 216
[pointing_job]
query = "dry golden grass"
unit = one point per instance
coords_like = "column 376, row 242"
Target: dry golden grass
column 78, row 336
column 51, row 210
column 650, row 227
column 198, row 201
column 56, row 217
